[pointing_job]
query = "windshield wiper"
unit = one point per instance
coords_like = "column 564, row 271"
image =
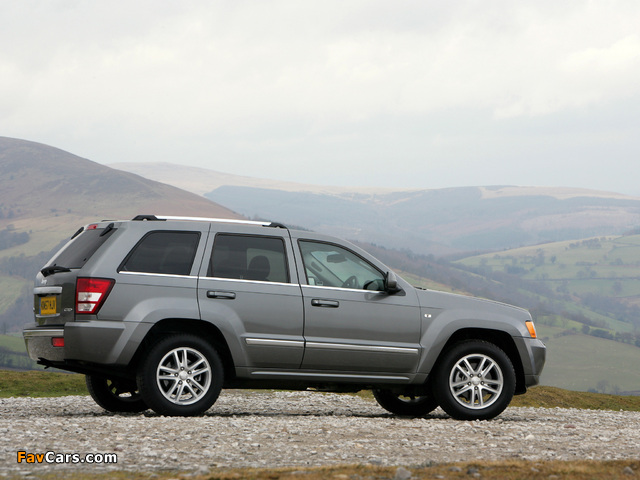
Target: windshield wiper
column 46, row 271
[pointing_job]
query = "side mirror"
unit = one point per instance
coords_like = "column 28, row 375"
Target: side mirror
column 391, row 283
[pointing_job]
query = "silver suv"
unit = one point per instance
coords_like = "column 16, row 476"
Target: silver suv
column 164, row 312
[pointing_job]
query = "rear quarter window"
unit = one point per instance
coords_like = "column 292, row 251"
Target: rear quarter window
column 163, row 252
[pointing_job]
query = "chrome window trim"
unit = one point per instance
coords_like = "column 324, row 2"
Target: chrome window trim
column 165, row 275
column 342, row 289
column 242, row 280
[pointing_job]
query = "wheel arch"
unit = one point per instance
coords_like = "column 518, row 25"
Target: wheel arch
column 200, row 328
column 497, row 337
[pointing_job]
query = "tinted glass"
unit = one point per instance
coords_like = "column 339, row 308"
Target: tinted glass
column 82, row 247
column 333, row 266
column 249, row 258
column 170, row 253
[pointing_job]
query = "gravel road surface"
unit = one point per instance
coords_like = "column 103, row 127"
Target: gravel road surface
column 278, row 429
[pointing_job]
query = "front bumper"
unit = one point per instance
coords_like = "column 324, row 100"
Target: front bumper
column 533, row 354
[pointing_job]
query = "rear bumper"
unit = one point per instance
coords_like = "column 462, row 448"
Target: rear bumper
column 98, row 342
column 38, row 341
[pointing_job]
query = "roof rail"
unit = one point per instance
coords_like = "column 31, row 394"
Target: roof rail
column 162, row 218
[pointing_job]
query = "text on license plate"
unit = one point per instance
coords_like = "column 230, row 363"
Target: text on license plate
column 48, row 306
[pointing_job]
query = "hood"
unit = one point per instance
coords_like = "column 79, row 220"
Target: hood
column 446, row 301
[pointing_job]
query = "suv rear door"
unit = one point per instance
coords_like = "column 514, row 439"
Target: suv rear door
column 249, row 289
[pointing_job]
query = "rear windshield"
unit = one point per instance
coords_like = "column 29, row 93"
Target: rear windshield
column 77, row 252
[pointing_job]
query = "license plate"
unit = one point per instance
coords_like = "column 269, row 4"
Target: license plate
column 48, row 306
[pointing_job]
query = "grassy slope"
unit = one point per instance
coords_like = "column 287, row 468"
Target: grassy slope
column 580, row 362
column 579, row 266
column 11, row 287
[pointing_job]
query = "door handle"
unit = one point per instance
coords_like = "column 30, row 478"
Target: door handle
column 219, row 294
column 316, row 302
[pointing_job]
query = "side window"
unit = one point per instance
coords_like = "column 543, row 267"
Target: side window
column 169, row 253
column 333, row 266
column 247, row 257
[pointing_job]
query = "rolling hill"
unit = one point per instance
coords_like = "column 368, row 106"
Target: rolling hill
column 47, row 193
column 440, row 221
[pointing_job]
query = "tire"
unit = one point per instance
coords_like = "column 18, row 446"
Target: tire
column 475, row 380
column 168, row 383
column 115, row 395
column 405, row 405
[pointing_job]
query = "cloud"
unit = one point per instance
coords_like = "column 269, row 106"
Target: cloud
column 279, row 79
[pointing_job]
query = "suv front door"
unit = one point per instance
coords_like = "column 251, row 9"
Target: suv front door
column 351, row 323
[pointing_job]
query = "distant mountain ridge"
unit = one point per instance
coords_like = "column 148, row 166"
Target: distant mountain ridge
column 438, row 221
column 46, row 190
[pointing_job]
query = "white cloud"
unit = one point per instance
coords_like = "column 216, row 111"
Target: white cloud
column 275, row 78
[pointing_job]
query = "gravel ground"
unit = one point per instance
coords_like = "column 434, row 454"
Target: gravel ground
column 278, row 429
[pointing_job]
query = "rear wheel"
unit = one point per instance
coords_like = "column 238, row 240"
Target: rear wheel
column 405, row 405
column 181, row 375
column 115, row 395
column 475, row 380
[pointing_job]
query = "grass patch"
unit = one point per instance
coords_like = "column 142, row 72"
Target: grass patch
column 40, row 384
column 13, row 343
column 551, row 397
column 507, row 470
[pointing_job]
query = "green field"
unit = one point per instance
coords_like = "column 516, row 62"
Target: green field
column 582, row 362
column 13, row 354
column 592, row 265
column 10, row 288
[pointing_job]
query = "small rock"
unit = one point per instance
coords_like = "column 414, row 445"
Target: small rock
column 628, row 471
column 472, row 471
column 455, row 469
column 202, row 471
column 402, row 474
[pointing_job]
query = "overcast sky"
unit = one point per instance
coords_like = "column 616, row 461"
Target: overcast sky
column 380, row 93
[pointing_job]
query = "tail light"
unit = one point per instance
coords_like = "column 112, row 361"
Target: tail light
column 91, row 293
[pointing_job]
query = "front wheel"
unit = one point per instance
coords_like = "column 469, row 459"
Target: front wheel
column 405, row 405
column 181, row 375
column 120, row 396
column 475, row 380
